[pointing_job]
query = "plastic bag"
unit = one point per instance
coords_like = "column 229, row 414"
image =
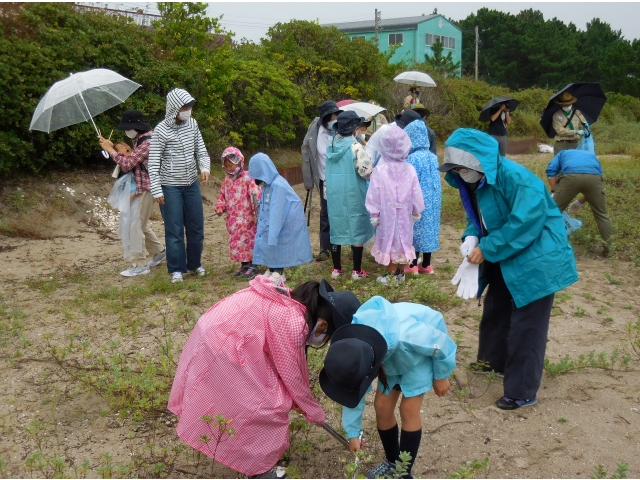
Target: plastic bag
column 129, row 225
column 586, row 142
column 570, row 224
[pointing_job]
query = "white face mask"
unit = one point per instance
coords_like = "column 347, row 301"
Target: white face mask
column 316, row 339
column 131, row 133
column 184, row 116
column 330, row 125
column 470, row 176
column 360, row 136
column 567, row 108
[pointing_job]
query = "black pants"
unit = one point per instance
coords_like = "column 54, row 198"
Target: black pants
column 325, row 235
column 513, row 340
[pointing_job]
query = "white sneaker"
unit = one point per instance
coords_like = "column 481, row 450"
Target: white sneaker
column 176, row 277
column 278, row 279
column 387, row 280
column 157, row 259
column 268, row 273
column 200, row 271
column 135, row 271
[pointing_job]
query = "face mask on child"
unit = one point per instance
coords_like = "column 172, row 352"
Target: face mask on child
column 316, row 340
column 470, row 176
column 184, row 116
column 330, row 125
column 131, row 133
column 360, row 136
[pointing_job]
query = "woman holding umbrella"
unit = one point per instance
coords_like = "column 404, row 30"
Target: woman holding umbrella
column 500, row 120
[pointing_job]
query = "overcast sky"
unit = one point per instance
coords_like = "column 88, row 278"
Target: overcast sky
column 252, row 19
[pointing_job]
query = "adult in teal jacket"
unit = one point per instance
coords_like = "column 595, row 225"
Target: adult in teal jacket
column 407, row 347
column 515, row 233
column 348, row 167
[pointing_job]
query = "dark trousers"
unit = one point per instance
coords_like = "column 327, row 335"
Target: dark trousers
column 183, row 214
column 325, row 232
column 513, row 340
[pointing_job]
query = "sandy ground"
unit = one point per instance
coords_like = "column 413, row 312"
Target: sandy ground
column 582, row 419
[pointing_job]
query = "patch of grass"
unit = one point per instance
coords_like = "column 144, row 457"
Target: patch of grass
column 613, row 281
column 622, row 471
column 607, row 321
column 591, row 360
column 470, row 469
column 601, row 310
column 628, row 307
column 588, row 296
column 580, row 312
column 562, row 420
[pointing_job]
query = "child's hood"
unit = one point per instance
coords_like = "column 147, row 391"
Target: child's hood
column 262, row 168
column 338, row 147
column 176, row 99
column 233, row 151
column 418, row 134
column 394, row 144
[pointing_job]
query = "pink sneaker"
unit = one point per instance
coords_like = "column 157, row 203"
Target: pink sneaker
column 335, row 273
column 428, row 270
column 357, row 275
column 410, row 269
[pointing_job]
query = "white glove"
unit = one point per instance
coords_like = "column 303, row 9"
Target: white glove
column 375, row 221
column 468, row 245
column 416, row 217
column 574, row 207
column 467, row 275
column 580, row 132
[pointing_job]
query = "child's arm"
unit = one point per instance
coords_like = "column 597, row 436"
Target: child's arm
column 221, row 204
column 255, row 193
column 155, row 159
column 352, row 418
column 137, row 157
column 278, row 211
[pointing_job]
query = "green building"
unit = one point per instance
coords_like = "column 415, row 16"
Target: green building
column 415, row 35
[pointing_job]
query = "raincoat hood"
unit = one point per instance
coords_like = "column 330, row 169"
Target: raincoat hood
column 419, row 136
column 473, row 149
column 262, row 168
column 176, row 99
column 395, row 144
column 233, row 151
column 340, row 146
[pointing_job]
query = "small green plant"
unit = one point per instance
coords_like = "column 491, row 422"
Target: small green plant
column 601, row 310
column 470, row 469
column 588, row 296
column 562, row 420
column 607, row 321
column 632, row 330
column 580, row 312
column 613, row 281
column 622, row 471
column 402, row 465
column 353, row 469
column 591, row 360
column 220, row 431
column 628, row 307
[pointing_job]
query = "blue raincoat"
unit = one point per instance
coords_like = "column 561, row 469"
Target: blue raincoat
column 282, row 238
column 426, row 231
column 346, row 194
column 526, row 232
column 418, row 350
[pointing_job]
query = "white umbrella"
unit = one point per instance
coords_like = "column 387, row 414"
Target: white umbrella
column 364, row 109
column 79, row 98
column 419, row 79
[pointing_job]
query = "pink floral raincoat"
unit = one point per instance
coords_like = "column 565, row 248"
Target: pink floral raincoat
column 394, row 196
column 245, row 360
column 238, row 197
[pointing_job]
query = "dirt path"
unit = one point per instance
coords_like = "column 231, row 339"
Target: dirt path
column 582, row 418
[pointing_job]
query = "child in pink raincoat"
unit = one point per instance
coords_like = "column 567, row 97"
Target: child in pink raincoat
column 394, row 201
column 238, row 197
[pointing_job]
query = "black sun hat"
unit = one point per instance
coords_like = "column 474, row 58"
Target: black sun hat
column 343, row 304
column 133, row 120
column 347, row 122
column 327, row 107
column 352, row 362
column 405, row 118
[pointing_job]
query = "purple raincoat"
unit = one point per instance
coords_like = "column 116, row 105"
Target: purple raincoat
column 394, row 195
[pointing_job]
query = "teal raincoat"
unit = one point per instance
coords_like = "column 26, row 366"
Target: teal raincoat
column 419, row 350
column 346, row 194
column 526, row 232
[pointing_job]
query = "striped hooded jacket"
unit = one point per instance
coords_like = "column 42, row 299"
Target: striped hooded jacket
column 175, row 148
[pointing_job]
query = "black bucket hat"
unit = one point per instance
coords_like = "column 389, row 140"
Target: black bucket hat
column 133, row 120
column 405, row 118
column 347, row 122
column 327, row 108
column 352, row 362
column 343, row 304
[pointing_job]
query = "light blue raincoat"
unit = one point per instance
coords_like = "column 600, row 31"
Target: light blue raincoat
column 526, row 232
column 426, row 231
column 418, row 350
column 346, row 194
column 282, row 238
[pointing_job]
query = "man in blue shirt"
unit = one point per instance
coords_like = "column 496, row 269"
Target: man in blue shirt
column 580, row 172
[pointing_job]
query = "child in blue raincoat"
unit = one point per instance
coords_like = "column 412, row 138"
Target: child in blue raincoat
column 282, row 238
column 404, row 345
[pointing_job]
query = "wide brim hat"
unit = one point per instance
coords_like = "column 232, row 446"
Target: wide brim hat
column 418, row 107
column 405, row 118
column 327, row 108
column 344, row 304
column 133, row 120
column 352, row 363
column 347, row 122
column 565, row 98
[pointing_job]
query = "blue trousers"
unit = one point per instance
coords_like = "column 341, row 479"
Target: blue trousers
column 182, row 212
column 514, row 340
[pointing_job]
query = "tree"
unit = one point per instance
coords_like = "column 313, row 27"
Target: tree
column 442, row 64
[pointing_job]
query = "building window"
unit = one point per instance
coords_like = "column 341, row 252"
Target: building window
column 359, row 36
column 395, row 39
column 447, row 42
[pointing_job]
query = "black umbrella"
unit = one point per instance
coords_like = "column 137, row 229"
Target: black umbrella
column 485, row 114
column 591, row 99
